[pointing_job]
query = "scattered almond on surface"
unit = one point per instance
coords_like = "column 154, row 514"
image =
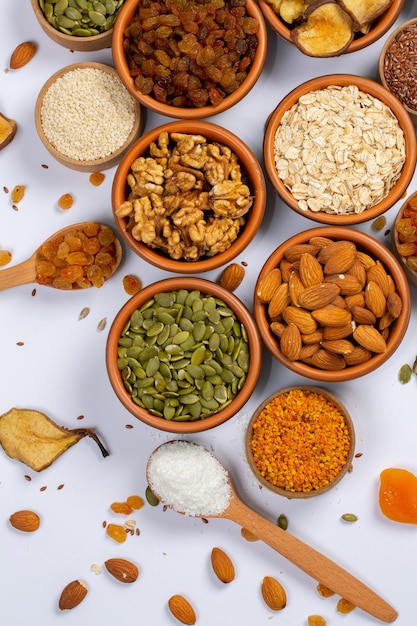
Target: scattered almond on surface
column 222, row 565
column 72, row 595
column 22, row 54
column 273, row 593
column 232, row 276
column 123, row 570
column 26, row 521
column 8, row 129
column 182, row 610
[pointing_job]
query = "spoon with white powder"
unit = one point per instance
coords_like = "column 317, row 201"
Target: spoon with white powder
column 191, row 480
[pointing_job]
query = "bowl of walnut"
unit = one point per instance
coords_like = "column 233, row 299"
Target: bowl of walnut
column 188, row 197
column 340, row 149
column 332, row 304
column 329, row 28
column 189, row 60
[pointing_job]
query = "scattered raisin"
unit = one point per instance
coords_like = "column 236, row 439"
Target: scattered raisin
column 116, row 532
column 344, row 606
column 5, row 257
column 96, row 178
column 131, row 284
column 18, row 193
column 136, row 502
column 65, row 201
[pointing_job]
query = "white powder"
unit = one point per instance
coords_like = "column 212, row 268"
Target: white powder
column 189, row 479
column 87, row 114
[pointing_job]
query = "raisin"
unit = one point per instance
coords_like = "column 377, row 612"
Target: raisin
column 106, row 236
column 18, row 193
column 131, row 284
column 96, row 178
column 116, row 532
column 72, row 273
column 136, row 502
column 122, row 508
column 5, row 257
column 91, row 245
column 65, row 201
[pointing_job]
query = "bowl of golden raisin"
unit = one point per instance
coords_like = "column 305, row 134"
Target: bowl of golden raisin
column 332, row 304
column 405, row 237
column 300, row 442
column 189, row 196
column 330, row 28
column 189, row 60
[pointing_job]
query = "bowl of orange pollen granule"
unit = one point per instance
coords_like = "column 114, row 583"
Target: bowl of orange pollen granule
column 300, row 442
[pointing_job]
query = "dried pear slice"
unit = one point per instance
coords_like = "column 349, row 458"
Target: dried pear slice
column 363, row 12
column 8, row 130
column 327, row 31
column 34, row 439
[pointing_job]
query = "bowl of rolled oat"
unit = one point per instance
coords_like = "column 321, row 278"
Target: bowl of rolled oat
column 332, row 304
column 189, row 60
column 74, row 129
column 397, row 65
column 340, row 149
column 189, row 196
column 300, row 442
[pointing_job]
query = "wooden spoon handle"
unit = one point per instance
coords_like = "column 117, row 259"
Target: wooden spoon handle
column 20, row 274
column 310, row 561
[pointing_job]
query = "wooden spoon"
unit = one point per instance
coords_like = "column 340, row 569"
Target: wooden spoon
column 25, row 272
column 302, row 555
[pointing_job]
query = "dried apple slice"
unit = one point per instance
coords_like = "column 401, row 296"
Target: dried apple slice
column 363, row 12
column 34, row 439
column 8, row 130
column 293, row 10
column 326, row 32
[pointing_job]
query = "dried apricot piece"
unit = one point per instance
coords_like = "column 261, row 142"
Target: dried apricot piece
column 121, row 507
column 398, row 495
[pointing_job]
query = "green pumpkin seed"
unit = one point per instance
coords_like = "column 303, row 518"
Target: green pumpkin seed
column 349, row 517
column 283, row 522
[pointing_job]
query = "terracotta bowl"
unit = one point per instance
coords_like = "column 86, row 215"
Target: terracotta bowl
column 344, row 367
column 397, row 239
column 396, row 83
column 333, row 437
column 149, row 101
column 106, row 162
column 255, row 182
column 379, row 27
column 206, row 288
column 367, row 86
column 81, row 44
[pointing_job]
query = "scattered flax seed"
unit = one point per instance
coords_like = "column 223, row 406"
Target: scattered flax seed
column 65, row 201
column 20, row 343
column 137, row 532
column 27, row 477
column 18, row 193
column 6, row 189
column 102, row 324
column 84, row 312
column 80, row 417
column 204, row 520
column 387, row 232
column 358, row 455
column 96, row 178
column 44, row 488
column 14, row 207
column 33, row 292
column 61, row 486
column 104, row 524
column 45, row 167
column 128, row 426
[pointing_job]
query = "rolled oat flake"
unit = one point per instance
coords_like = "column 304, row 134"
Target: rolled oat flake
column 189, row 479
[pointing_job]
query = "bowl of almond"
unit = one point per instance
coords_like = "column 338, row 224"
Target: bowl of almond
column 328, row 28
column 332, row 304
column 340, row 149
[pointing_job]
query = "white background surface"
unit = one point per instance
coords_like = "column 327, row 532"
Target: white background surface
column 60, row 370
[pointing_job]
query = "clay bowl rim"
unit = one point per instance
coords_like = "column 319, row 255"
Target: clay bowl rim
column 383, row 24
column 298, row 494
column 249, row 164
column 411, row 274
column 368, row 86
column 206, row 287
column 381, row 61
column 71, row 42
column 85, row 166
column 124, row 18
column 392, row 265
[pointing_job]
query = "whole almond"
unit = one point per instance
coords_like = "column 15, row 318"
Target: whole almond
column 369, row 338
column 362, row 315
column 311, row 271
column 295, row 287
column 375, row 299
column 279, row 301
column 301, row 317
column 348, row 284
column 338, row 346
column 326, row 360
column 291, row 342
column 331, row 315
column 222, row 565
column 338, row 332
column 123, row 570
column 22, row 55
column 232, row 276
column 72, row 595
column 26, row 521
column 337, row 257
column 394, row 304
column 268, row 284
column 293, row 253
column 182, row 610
column 318, row 295
column 378, row 274
column 273, row 593
column 358, row 271
column 357, row 356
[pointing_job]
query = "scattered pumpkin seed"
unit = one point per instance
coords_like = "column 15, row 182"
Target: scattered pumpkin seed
column 283, row 522
column 349, row 517
column 151, row 497
column 404, row 375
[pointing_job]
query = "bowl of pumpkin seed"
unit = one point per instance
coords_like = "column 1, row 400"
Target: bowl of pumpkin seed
column 82, row 25
column 183, row 355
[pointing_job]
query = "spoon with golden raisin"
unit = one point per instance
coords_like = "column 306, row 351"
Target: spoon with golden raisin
column 76, row 257
column 189, row 479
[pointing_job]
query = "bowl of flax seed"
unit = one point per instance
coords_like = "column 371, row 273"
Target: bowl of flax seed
column 397, row 66
column 300, row 442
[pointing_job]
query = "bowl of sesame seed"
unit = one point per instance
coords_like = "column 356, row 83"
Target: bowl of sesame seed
column 300, row 442
column 86, row 118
